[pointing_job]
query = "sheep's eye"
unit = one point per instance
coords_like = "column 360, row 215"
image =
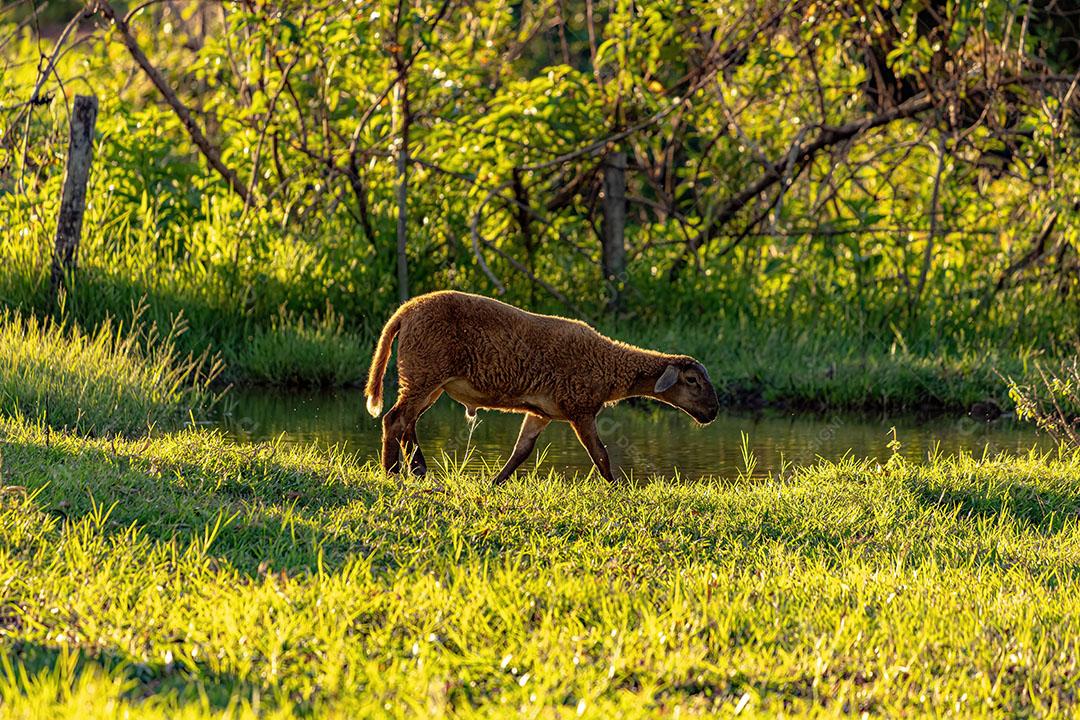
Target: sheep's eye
column 691, row 380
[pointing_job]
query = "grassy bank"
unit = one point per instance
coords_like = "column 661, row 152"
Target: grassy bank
column 185, row 574
column 821, row 370
column 752, row 365
column 305, row 312
column 117, row 379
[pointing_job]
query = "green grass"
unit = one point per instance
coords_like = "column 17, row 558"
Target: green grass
column 752, row 364
column 116, row 380
column 293, row 308
column 821, row 370
column 295, row 352
column 186, row 575
column 302, row 307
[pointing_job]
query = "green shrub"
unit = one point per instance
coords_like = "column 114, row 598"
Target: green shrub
column 1052, row 400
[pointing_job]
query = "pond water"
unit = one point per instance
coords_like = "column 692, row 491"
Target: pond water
column 646, row 440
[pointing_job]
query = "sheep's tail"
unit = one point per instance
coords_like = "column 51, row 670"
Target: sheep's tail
column 378, row 365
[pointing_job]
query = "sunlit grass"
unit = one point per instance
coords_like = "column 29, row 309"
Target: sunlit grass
column 115, row 380
column 185, row 573
column 315, row 352
column 294, row 308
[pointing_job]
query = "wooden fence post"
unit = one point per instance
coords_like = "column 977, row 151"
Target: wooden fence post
column 614, row 251
column 73, row 196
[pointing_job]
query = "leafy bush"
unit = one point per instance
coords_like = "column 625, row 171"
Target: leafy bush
column 506, row 142
column 115, row 381
column 1052, row 401
column 852, row 240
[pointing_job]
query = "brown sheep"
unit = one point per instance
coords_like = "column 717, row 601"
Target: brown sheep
column 487, row 354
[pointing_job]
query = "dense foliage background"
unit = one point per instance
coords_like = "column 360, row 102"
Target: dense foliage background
column 897, row 174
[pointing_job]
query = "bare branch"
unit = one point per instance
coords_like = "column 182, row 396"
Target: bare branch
column 211, row 153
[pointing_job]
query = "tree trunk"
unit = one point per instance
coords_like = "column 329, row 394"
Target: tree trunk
column 402, row 195
column 614, row 251
column 935, row 214
column 73, row 196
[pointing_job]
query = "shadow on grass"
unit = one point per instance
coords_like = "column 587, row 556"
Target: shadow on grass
column 281, row 514
column 273, row 513
column 270, row 507
column 184, row 682
column 222, row 311
column 99, row 295
column 1044, row 510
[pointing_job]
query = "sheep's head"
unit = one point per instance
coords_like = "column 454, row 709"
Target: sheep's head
column 685, row 384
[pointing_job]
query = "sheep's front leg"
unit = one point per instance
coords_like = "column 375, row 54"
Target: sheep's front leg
column 586, row 432
column 417, row 463
column 531, row 427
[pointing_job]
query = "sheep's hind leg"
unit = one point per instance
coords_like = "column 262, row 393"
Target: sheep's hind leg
column 391, row 440
column 399, row 432
column 417, row 463
column 531, row 427
column 585, row 429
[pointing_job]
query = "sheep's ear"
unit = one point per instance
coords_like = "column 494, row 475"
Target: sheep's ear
column 671, row 374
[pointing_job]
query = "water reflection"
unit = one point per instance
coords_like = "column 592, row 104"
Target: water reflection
column 643, row 440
